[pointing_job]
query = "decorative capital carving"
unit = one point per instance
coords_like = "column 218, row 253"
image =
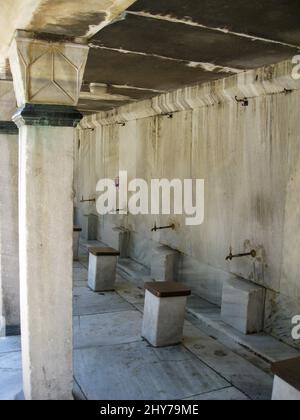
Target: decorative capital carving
column 47, row 72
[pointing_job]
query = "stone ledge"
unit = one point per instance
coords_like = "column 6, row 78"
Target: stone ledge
column 262, row 344
column 275, row 79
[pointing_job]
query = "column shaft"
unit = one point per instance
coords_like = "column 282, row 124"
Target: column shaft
column 46, row 231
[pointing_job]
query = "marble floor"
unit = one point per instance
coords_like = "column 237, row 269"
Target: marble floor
column 113, row 362
column 10, row 368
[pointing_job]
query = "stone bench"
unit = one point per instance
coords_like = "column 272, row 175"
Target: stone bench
column 102, row 269
column 76, row 234
column 243, row 305
column 163, row 263
column 287, row 380
column 164, row 312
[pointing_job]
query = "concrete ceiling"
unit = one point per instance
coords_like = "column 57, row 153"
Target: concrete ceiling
column 71, row 18
column 164, row 45
column 157, row 46
column 67, row 19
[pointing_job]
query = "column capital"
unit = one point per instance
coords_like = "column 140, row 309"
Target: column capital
column 47, row 70
column 47, row 115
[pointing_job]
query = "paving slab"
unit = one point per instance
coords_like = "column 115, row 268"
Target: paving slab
column 232, row 345
column 80, row 283
column 134, row 371
column 10, row 344
column 226, row 394
column 77, row 392
column 11, row 361
column 133, row 294
column 256, row 384
column 172, row 354
column 10, row 375
column 133, row 271
column 80, row 273
column 87, row 302
column 107, row 329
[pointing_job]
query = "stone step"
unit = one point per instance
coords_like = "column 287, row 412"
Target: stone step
column 264, row 345
column 133, row 271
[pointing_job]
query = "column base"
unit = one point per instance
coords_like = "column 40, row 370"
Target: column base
column 9, row 330
column 13, row 330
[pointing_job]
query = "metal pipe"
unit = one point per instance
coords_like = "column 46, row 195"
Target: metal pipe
column 247, row 254
column 155, row 229
column 87, row 201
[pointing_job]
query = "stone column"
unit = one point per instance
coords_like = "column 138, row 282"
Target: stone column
column 47, row 79
column 9, row 234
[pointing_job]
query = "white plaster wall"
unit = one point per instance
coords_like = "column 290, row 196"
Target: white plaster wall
column 249, row 158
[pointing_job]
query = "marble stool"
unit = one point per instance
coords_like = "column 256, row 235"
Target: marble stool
column 287, row 380
column 102, row 269
column 164, row 312
column 76, row 234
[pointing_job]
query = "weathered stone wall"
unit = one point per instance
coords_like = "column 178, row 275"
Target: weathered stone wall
column 249, row 158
